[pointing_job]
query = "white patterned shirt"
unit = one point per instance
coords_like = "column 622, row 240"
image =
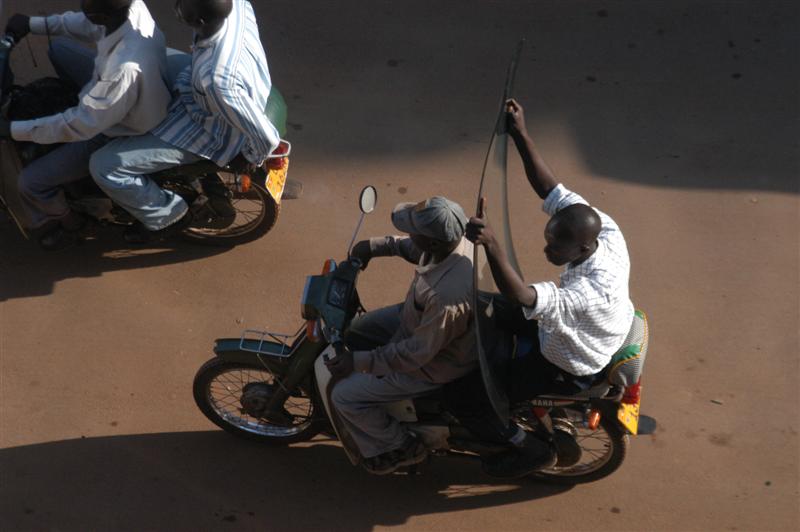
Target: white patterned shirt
column 585, row 320
column 127, row 94
column 221, row 99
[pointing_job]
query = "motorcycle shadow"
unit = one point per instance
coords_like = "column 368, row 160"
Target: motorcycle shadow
column 105, row 251
column 208, row 480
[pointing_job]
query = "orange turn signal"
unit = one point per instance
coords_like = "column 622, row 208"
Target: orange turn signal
column 245, row 183
column 593, row 419
column 328, row 267
column 312, row 330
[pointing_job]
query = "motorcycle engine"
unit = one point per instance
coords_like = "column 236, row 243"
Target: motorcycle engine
column 254, row 400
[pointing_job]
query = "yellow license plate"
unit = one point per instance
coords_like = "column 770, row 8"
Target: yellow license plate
column 628, row 415
column 276, row 181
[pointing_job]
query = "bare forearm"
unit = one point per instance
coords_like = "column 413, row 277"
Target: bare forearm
column 508, row 280
column 540, row 176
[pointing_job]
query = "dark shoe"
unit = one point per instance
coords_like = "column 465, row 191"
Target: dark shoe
column 534, row 455
column 139, row 234
column 412, row 452
column 70, row 231
column 58, row 239
column 379, row 465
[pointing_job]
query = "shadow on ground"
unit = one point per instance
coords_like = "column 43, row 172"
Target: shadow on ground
column 208, row 480
column 26, row 270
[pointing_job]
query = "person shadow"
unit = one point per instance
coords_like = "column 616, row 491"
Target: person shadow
column 208, row 480
column 27, row 271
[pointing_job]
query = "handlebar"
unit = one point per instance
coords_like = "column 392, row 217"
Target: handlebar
column 7, row 41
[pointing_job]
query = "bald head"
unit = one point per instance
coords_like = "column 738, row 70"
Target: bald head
column 109, row 13
column 577, row 223
column 207, row 15
column 214, row 10
column 107, row 7
column 571, row 234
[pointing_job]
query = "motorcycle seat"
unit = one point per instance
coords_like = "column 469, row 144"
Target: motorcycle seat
column 625, row 367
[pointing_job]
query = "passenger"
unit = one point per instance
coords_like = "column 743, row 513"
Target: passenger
column 411, row 349
column 217, row 114
column 124, row 93
column 580, row 323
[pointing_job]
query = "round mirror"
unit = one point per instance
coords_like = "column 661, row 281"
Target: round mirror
column 369, row 197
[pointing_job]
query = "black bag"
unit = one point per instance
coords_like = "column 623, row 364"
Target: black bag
column 43, row 97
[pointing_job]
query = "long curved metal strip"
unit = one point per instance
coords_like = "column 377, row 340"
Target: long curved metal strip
column 494, row 188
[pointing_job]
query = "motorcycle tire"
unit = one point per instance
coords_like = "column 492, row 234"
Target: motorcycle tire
column 218, row 388
column 596, row 464
column 250, row 223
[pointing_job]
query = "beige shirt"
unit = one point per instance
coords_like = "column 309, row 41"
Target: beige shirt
column 127, row 94
column 436, row 339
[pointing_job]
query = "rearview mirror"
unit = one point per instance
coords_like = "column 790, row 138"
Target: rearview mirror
column 368, row 200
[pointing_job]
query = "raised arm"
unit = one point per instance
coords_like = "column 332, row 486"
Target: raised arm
column 540, row 176
column 505, row 277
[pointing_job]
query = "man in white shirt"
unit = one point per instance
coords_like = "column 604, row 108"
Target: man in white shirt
column 125, row 95
column 579, row 324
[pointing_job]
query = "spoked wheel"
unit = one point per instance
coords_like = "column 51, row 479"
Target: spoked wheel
column 230, row 393
column 256, row 214
column 602, row 451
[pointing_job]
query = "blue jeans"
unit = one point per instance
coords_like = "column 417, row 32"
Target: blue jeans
column 120, row 169
column 40, row 182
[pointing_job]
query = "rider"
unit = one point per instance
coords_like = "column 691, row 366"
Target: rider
column 124, row 93
column 217, row 114
column 580, row 323
column 410, row 349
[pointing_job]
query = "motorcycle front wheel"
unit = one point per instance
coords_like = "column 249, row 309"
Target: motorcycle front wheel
column 602, row 451
column 218, row 390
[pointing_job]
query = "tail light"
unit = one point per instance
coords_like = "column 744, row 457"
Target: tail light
column 277, row 159
column 632, row 394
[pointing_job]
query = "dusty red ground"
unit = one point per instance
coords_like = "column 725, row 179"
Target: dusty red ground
column 679, row 119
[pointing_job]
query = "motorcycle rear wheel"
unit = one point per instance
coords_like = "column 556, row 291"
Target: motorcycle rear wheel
column 256, row 214
column 603, row 451
column 218, row 387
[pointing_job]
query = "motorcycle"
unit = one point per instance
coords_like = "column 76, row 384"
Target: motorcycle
column 228, row 207
column 275, row 388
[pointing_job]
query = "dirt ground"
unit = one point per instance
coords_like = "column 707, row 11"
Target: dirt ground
column 680, row 119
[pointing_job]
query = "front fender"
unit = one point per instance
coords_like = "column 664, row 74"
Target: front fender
column 252, row 352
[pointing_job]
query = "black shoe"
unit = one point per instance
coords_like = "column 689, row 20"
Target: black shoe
column 139, row 234
column 69, row 232
column 534, row 455
column 58, row 239
column 412, row 452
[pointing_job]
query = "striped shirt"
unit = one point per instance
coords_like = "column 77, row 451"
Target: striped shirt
column 219, row 107
column 585, row 320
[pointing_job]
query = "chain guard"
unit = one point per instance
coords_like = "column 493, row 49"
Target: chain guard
column 568, row 450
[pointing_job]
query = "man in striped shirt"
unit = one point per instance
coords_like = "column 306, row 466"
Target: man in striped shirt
column 576, row 326
column 217, row 113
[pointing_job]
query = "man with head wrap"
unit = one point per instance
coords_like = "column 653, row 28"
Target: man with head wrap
column 411, row 349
